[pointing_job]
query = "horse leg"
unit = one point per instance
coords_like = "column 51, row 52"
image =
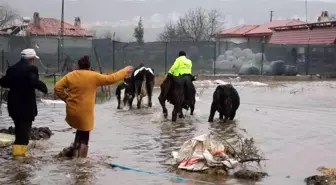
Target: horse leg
column 233, row 114
column 130, row 102
column 177, row 109
column 181, row 114
column 125, row 100
column 150, row 104
column 119, row 99
column 221, row 116
column 139, row 101
column 149, row 87
column 212, row 112
column 174, row 114
column 192, row 108
column 137, row 94
column 163, row 105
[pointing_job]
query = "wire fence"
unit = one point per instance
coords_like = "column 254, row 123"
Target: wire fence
column 213, row 58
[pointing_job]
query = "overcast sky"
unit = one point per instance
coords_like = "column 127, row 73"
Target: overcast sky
column 122, row 15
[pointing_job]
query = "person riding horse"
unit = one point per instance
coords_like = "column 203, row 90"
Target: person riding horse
column 181, row 67
column 179, row 80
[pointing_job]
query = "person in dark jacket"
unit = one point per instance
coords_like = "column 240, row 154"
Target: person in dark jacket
column 22, row 79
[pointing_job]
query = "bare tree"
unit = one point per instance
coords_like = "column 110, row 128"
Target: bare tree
column 7, row 15
column 169, row 33
column 196, row 25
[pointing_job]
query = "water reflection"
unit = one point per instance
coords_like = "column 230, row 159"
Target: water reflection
column 83, row 173
column 173, row 135
column 16, row 171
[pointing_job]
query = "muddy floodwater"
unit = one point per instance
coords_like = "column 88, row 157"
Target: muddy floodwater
column 293, row 123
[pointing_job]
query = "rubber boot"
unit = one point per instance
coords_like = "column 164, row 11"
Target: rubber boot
column 19, row 150
column 67, row 152
column 83, row 151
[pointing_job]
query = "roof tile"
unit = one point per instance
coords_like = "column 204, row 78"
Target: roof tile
column 264, row 28
column 304, row 36
column 3, row 33
column 51, row 27
column 250, row 30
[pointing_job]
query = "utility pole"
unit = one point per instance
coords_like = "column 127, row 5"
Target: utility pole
column 271, row 16
column 306, row 7
column 62, row 37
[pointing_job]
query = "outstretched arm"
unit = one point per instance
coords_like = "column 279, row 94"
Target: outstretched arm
column 60, row 87
column 102, row 79
column 36, row 82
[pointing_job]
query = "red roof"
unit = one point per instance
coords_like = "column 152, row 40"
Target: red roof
column 3, row 33
column 51, row 27
column 264, row 28
column 237, row 31
column 305, row 34
column 257, row 30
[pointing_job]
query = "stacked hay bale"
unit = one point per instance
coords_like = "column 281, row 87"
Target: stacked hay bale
column 245, row 62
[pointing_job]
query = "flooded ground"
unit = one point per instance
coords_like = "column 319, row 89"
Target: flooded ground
column 293, row 123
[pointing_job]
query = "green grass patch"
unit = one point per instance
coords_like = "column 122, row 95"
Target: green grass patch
column 49, row 80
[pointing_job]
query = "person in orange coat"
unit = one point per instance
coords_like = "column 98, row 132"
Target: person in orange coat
column 78, row 90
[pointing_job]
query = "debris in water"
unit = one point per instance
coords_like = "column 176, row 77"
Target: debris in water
column 328, row 177
column 209, row 154
column 37, row 133
column 250, row 175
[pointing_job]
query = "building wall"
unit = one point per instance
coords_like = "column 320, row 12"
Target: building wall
column 236, row 40
column 4, row 43
column 49, row 45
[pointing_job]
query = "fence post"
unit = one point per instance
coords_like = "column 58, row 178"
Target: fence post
column 308, row 59
column 58, row 53
column 3, row 71
column 166, row 56
column 54, row 85
column 113, row 59
column 214, row 57
column 262, row 56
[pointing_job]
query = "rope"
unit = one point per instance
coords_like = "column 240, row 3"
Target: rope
column 158, row 173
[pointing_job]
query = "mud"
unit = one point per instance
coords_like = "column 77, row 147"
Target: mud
column 37, row 133
column 250, row 175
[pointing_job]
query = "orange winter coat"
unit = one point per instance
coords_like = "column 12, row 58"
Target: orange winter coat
column 78, row 90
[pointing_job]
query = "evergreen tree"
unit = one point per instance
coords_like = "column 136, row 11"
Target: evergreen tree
column 139, row 32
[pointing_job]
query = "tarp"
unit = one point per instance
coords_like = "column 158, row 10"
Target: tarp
column 202, row 153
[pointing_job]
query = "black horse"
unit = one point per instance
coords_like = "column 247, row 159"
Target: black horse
column 226, row 101
column 180, row 92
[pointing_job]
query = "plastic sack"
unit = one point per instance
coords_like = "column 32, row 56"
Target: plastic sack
column 201, row 153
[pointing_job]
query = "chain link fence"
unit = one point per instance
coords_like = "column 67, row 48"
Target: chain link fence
column 212, row 58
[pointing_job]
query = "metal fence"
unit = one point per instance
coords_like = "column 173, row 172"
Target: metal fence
column 220, row 57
